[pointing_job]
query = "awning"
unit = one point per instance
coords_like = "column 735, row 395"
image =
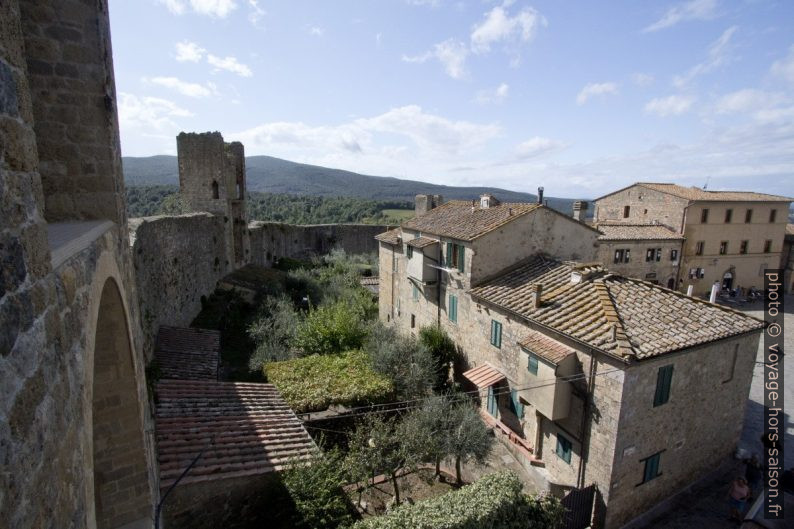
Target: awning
column 484, row 376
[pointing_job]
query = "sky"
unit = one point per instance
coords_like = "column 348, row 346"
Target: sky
column 580, row 97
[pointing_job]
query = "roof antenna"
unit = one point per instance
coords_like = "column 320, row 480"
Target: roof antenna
column 706, row 185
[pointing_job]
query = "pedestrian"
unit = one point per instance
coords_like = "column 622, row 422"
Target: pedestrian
column 753, row 474
column 737, row 498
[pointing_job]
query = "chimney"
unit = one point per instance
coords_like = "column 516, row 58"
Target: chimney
column 715, row 289
column 540, row 195
column 487, row 201
column 422, row 204
column 535, row 293
column 437, row 200
column 580, row 210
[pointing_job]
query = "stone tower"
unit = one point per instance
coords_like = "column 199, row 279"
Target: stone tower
column 212, row 179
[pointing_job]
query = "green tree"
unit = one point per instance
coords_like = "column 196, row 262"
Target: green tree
column 174, row 204
column 468, row 438
column 316, row 490
column 424, row 430
column 443, row 350
column 330, row 329
column 403, row 359
column 273, row 332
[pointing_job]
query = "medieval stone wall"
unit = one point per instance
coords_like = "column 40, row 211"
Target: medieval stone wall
column 177, row 261
column 273, row 240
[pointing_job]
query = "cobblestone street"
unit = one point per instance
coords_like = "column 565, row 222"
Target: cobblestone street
column 705, row 505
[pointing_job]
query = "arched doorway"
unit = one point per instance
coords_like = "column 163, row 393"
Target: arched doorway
column 671, row 283
column 121, row 488
column 727, row 281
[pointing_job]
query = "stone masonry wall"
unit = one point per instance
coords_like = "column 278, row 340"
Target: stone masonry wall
column 711, row 385
column 272, row 240
column 177, row 261
column 659, row 271
column 645, row 205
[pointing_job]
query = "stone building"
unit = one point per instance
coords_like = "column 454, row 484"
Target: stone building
column 645, row 251
column 212, row 180
column 730, row 237
column 75, row 426
column 586, row 376
column 787, row 259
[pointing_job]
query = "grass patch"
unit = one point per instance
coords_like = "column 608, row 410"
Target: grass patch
column 315, row 382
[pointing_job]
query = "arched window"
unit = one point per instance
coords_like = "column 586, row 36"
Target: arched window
column 214, row 189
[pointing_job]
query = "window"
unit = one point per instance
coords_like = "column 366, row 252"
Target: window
column 496, row 334
column 651, row 467
column 723, row 247
column 622, row 256
column 456, row 256
column 704, row 215
column 658, row 254
column 748, row 216
column 398, row 307
column 515, row 404
column 626, row 211
column 743, row 246
column 493, row 402
column 453, row 309
column 674, row 254
column 409, row 250
column 214, row 189
column 663, row 379
column 767, row 246
column 649, row 255
column 415, row 292
column 773, row 215
column 413, row 321
column 626, row 256
column 699, row 247
column 532, row 366
column 728, row 215
column 563, row 448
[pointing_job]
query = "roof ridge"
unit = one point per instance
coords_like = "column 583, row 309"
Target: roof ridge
column 625, row 348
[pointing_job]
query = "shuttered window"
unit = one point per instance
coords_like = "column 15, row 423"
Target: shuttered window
column 532, row 366
column 563, row 448
column 496, row 333
column 453, row 308
column 652, row 467
column 461, row 257
column 663, row 380
column 515, row 404
column 450, row 250
column 415, row 292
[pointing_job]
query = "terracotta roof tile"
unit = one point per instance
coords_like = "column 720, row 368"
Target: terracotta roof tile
column 244, row 429
column 390, row 237
column 789, row 229
column 484, row 375
column 622, row 316
column 547, row 348
column 462, row 220
column 695, row 193
column 187, row 353
column 652, row 232
column 421, row 242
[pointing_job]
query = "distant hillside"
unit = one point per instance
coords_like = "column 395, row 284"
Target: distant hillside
column 274, row 175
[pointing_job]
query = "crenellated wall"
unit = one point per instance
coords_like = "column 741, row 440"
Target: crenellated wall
column 177, row 260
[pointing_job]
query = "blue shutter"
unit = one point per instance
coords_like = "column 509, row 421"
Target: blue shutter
column 664, row 380
column 453, row 308
column 449, row 254
column 518, row 408
column 532, row 366
column 563, row 448
column 461, row 258
column 493, row 407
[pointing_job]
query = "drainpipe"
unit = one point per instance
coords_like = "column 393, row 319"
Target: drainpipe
column 580, row 480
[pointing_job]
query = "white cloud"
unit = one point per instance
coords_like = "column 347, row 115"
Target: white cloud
column 718, row 55
column 148, row 112
column 255, row 13
column 759, row 104
column 317, row 31
column 183, row 87
column 596, row 89
column 670, row 105
column 537, row 146
column 214, row 8
column 499, row 26
column 187, row 51
column 451, row 54
column 493, row 95
column 642, row 79
column 692, row 10
column 230, row 64
column 785, row 67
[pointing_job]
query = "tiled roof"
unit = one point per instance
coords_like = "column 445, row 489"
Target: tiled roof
column 371, row 280
column 389, row 237
column 187, row 353
column 244, row 430
column 421, row 242
column 484, row 375
column 461, row 220
column 547, row 348
column 625, row 317
column 695, row 193
column 637, row 232
column 789, row 229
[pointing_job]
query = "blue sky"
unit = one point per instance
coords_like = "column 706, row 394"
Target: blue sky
column 579, row 97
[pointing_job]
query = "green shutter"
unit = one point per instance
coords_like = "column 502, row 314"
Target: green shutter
column 564, row 448
column 453, row 308
column 532, row 366
column 518, row 408
column 415, row 293
column 449, row 254
column 664, row 380
column 461, row 258
column 651, row 467
column 496, row 333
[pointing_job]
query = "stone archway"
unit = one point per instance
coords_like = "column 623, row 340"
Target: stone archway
column 121, row 474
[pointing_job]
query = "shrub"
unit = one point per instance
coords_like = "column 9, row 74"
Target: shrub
column 403, row 359
column 330, row 329
column 273, row 332
column 315, row 382
column 494, row 502
column 443, row 350
column 316, row 491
